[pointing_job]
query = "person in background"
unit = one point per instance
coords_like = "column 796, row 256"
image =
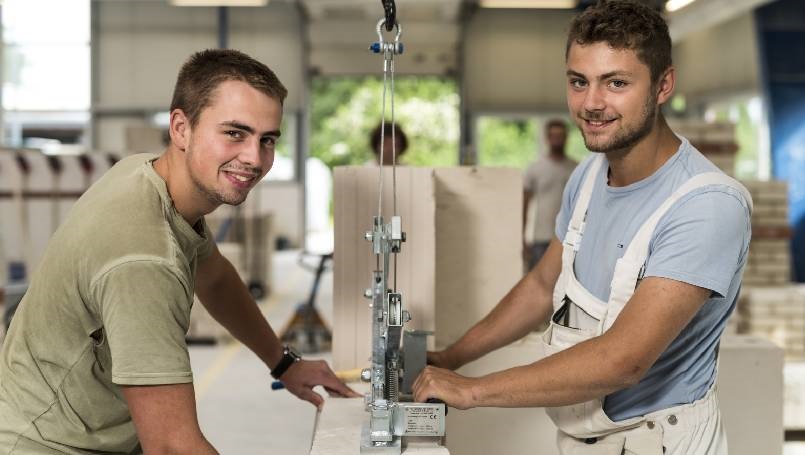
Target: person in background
column 544, row 179
column 386, row 130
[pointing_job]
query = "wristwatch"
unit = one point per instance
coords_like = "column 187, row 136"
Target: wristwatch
column 289, row 356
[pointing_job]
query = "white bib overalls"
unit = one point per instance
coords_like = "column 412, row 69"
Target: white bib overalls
column 584, row 428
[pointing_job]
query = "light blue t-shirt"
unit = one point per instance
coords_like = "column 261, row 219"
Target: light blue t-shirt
column 702, row 240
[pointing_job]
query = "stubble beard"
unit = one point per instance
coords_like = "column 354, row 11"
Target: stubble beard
column 211, row 194
column 625, row 139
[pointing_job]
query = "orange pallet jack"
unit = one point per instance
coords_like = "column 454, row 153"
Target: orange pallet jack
column 306, row 331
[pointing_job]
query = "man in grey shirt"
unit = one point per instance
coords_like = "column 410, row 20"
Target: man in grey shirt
column 544, row 179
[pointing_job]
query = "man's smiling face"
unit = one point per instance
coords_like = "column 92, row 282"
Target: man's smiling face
column 232, row 145
column 610, row 96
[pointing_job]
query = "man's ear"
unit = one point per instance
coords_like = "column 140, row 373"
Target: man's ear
column 665, row 86
column 179, row 129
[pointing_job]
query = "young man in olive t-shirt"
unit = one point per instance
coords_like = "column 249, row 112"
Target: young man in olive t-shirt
column 95, row 360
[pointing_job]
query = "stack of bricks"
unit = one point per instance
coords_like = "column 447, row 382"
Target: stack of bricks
column 771, row 306
column 716, row 141
column 776, row 313
column 769, row 261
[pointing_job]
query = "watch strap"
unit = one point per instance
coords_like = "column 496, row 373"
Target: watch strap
column 288, row 359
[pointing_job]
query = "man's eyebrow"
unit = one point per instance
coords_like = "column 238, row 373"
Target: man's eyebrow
column 238, row 125
column 616, row 73
column 248, row 129
column 603, row 76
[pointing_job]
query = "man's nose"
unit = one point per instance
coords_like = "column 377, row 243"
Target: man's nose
column 251, row 154
column 594, row 99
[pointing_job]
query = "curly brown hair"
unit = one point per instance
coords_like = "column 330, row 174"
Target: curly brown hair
column 205, row 70
column 625, row 24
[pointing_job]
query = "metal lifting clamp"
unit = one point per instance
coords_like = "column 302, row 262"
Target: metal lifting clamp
column 394, row 369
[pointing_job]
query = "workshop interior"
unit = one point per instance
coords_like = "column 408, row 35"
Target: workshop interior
column 368, row 256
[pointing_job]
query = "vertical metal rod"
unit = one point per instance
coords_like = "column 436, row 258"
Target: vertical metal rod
column 223, row 27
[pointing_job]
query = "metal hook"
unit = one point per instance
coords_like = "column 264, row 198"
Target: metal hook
column 380, row 24
column 390, row 9
column 383, row 46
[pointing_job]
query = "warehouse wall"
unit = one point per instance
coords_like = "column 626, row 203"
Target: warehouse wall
column 719, row 61
column 139, row 46
column 514, row 60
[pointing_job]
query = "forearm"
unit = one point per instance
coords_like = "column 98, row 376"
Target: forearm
column 229, row 302
column 655, row 315
column 518, row 313
column 584, row 372
column 165, row 419
column 620, row 358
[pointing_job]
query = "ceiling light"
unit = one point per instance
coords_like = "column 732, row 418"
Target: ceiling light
column 544, row 4
column 674, row 5
column 219, row 2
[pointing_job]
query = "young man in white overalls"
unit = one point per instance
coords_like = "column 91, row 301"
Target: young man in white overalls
column 644, row 271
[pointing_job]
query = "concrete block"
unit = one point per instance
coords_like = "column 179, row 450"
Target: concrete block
column 752, row 409
column 529, row 430
column 510, row 431
column 462, row 249
column 338, row 430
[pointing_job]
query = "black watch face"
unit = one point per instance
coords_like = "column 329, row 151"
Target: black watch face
column 292, row 352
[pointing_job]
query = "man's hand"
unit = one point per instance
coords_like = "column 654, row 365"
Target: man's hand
column 302, row 376
column 443, row 359
column 452, row 388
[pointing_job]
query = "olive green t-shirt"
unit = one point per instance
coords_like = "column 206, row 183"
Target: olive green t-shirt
column 108, row 306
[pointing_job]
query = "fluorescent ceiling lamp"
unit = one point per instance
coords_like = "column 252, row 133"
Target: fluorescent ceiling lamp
column 219, row 2
column 674, row 5
column 544, row 4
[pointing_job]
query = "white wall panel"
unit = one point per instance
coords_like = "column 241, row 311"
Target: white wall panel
column 514, row 60
column 110, row 132
column 273, row 36
column 140, row 47
column 340, row 47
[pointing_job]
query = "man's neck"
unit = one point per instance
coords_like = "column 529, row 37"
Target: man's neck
column 644, row 158
column 181, row 189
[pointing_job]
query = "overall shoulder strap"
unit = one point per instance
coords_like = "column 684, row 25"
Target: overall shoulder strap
column 575, row 228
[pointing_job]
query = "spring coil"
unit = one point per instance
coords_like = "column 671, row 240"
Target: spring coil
column 393, row 384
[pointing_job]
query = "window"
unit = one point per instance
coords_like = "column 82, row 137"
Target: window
column 46, row 66
column 344, row 110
